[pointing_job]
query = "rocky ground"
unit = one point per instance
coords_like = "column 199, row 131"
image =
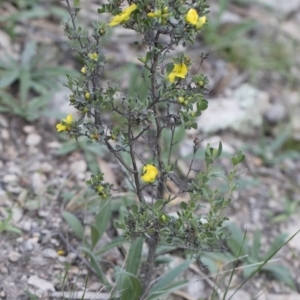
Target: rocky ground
column 42, row 175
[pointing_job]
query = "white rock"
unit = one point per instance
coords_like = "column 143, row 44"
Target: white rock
column 46, row 167
column 43, row 213
column 3, row 198
column 78, row 167
column 17, row 214
column 5, row 134
column 38, row 183
column 26, row 225
column 34, row 166
column 276, row 113
column 33, row 139
column 49, row 253
column 54, row 145
column 14, row 256
column 12, row 188
column 27, row 246
column 242, row 113
column 196, row 288
column 3, row 121
column 40, row 283
column 9, row 178
column 13, row 168
column 240, row 294
column 28, row 129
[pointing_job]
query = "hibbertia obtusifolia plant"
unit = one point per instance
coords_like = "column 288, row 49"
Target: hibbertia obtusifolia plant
column 175, row 99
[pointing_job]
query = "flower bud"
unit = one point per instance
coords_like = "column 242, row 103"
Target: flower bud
column 83, row 70
column 200, row 83
column 180, row 100
column 87, row 96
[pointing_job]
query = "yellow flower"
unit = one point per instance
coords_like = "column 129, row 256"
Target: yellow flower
column 61, row 252
column 150, row 173
column 65, row 125
column 93, row 56
column 201, row 21
column 83, row 70
column 123, row 16
column 179, row 70
column 192, row 16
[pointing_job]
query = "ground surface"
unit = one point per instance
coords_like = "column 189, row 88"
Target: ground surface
column 37, row 184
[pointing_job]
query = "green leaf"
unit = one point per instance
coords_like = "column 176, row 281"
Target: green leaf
column 95, row 236
column 28, row 55
column 74, row 223
column 8, row 78
column 66, row 148
column 240, row 156
column 256, row 245
column 168, row 290
column 134, row 208
column 264, row 263
column 129, row 286
column 202, row 105
column 235, row 241
column 24, row 85
column 103, row 216
column 281, row 273
column 234, row 161
column 280, row 140
column 95, row 265
column 134, row 256
column 168, row 278
column 219, row 152
column 119, row 225
column 158, row 204
column 114, row 243
column 183, row 205
column 278, row 241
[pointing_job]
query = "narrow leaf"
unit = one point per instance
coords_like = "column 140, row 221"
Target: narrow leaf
column 74, row 223
column 168, row 278
column 134, row 256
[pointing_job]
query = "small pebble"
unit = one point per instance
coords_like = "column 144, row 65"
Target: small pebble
column 14, row 256
column 28, row 129
column 26, row 246
column 33, row 139
column 78, row 167
column 5, row 134
column 46, row 167
column 43, row 213
column 3, row 270
column 2, row 294
column 49, row 253
column 9, row 178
